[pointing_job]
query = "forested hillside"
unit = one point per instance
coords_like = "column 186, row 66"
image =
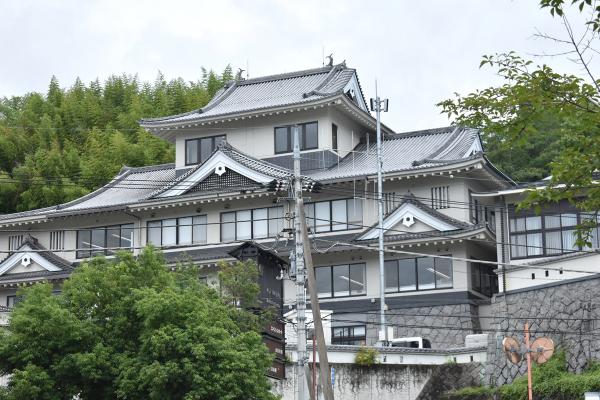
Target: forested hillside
column 57, row 146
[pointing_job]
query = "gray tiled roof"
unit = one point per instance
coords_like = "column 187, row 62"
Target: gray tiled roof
column 405, row 151
column 267, row 92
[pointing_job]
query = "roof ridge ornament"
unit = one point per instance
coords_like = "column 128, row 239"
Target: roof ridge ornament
column 330, row 57
column 238, row 75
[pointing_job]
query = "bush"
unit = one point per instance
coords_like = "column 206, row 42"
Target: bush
column 366, row 356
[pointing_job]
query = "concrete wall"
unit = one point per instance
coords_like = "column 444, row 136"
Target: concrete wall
column 390, row 382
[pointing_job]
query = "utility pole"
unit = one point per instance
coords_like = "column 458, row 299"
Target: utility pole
column 304, row 267
column 379, row 105
column 300, row 274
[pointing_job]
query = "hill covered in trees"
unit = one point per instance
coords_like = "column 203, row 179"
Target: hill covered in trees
column 58, row 146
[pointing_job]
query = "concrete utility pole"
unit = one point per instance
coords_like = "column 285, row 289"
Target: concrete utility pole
column 376, row 105
column 300, row 274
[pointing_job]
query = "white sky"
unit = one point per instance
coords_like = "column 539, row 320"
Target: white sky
column 421, row 52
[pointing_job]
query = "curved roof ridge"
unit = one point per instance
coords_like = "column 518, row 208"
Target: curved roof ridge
column 286, row 75
column 328, row 78
column 444, row 147
column 423, row 132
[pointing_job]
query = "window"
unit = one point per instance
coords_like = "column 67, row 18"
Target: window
column 390, row 202
column 421, row 273
column 284, row 137
column 13, row 300
column 551, row 233
column 440, row 197
column 341, row 280
column 481, row 214
column 177, row 231
column 251, row 224
column 104, row 240
column 14, row 241
column 349, row 335
column 57, row 240
column 483, row 279
column 334, row 215
column 334, row 137
column 198, row 150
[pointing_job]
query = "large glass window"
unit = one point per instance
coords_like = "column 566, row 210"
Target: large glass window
column 198, row 150
column 341, row 280
column 349, row 335
column 104, row 240
column 553, row 232
column 284, row 137
column 177, row 231
column 334, row 215
column 421, row 273
column 251, row 224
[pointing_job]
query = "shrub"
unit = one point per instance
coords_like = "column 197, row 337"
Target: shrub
column 366, row 356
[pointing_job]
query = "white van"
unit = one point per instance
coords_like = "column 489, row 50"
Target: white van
column 411, row 342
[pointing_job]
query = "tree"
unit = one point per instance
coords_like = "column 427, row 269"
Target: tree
column 538, row 106
column 130, row 329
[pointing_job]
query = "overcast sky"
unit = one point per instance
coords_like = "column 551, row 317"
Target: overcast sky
column 421, row 52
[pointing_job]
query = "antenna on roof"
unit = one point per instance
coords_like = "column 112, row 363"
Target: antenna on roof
column 247, row 69
column 323, row 55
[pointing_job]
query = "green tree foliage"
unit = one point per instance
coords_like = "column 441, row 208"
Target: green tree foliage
column 540, row 116
column 130, row 329
column 58, row 146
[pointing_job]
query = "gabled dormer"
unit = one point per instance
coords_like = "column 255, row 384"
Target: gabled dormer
column 258, row 115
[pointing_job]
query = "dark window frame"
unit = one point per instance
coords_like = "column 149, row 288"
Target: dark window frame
column 199, row 148
column 546, row 251
column 290, row 137
column 347, row 339
column 484, row 272
column 334, row 137
column 349, row 225
column 176, row 226
column 87, row 253
column 331, row 288
column 416, row 271
column 252, row 220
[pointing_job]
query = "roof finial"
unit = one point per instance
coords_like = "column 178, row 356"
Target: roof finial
column 238, row 75
column 330, row 63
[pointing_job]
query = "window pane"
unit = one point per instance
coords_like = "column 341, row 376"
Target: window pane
column 534, row 244
column 443, row 273
column 391, row 276
column 199, row 229
column 228, row 226
column 275, row 221
column 154, row 230
column 334, row 137
column 407, row 274
column 260, row 223
column 338, row 220
column 322, row 216
column 127, row 236
column 191, row 152
column 518, row 245
column 519, row 224
column 98, row 241
column 357, row 279
column 244, row 224
column 425, row 273
column 113, row 238
column 323, row 277
column 355, row 213
column 206, row 148
column 169, row 232
column 553, row 242
column 311, row 136
column 552, row 221
column 184, row 225
column 568, row 219
column 83, row 242
column 513, row 226
column 568, row 240
column 341, row 280
column 281, row 140
column 534, row 223
column 309, row 212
